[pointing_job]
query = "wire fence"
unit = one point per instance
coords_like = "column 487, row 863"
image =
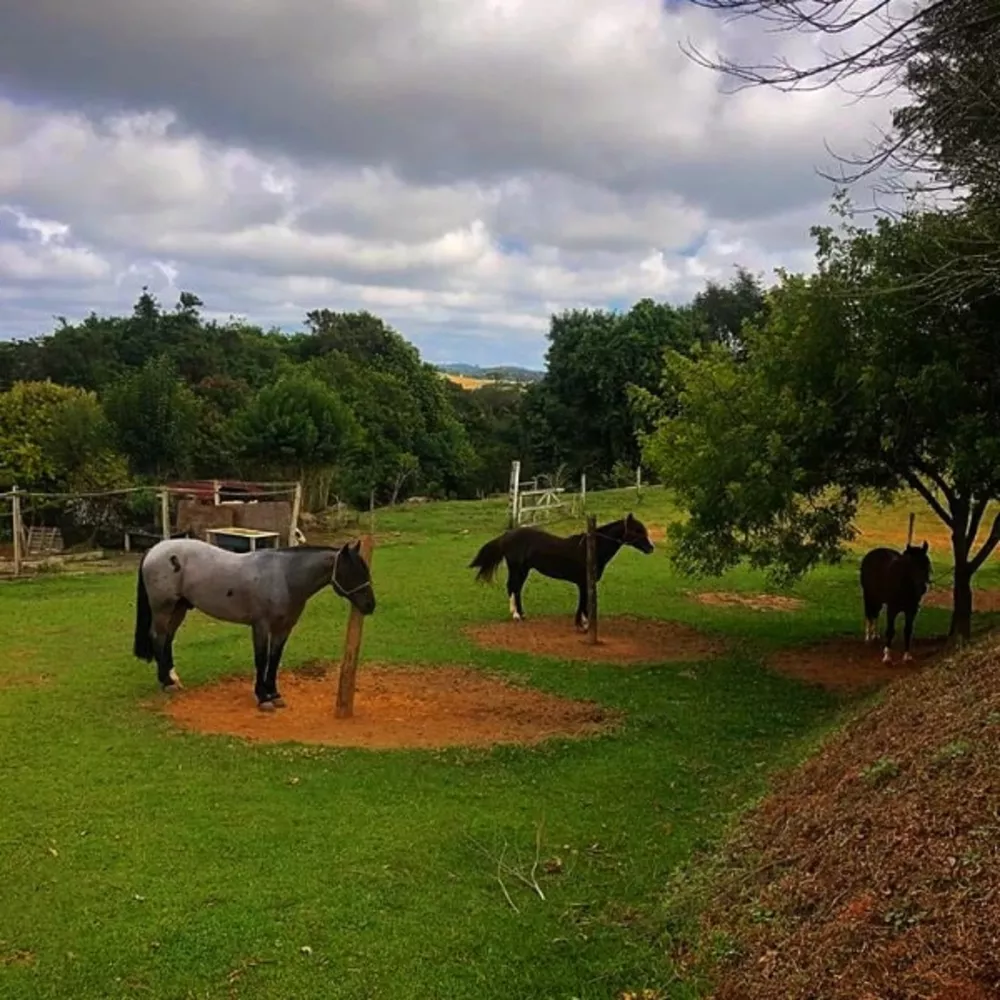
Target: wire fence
column 37, row 527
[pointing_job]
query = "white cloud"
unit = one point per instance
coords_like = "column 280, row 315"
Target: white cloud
column 462, row 168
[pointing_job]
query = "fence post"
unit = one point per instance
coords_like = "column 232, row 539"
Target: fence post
column 352, row 647
column 15, row 503
column 215, row 492
column 638, row 480
column 515, row 484
column 165, row 514
column 583, row 491
column 909, row 534
column 296, row 511
column 592, row 579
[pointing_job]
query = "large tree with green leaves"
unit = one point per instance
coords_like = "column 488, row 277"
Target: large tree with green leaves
column 155, row 416
column 861, row 378
column 56, row 437
column 299, row 426
column 579, row 414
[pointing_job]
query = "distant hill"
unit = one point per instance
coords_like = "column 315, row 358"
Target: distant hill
column 499, row 373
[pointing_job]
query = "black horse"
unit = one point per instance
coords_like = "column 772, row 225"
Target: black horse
column 527, row 548
column 897, row 580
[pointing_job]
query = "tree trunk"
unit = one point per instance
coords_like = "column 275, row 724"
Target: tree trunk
column 961, row 613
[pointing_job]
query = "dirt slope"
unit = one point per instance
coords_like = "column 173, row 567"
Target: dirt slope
column 873, row 873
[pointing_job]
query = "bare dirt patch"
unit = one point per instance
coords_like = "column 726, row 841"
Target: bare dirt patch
column 873, row 870
column 852, row 664
column 755, row 602
column 394, row 708
column 621, row 639
column 982, row 600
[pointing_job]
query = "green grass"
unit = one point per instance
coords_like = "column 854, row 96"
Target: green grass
column 137, row 860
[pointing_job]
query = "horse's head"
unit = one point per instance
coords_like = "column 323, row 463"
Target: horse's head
column 352, row 578
column 921, row 563
column 635, row 534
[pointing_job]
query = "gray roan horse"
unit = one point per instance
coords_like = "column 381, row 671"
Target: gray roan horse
column 899, row 581
column 266, row 590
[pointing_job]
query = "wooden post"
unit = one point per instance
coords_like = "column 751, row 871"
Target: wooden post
column 592, row 579
column 638, row 480
column 15, row 503
column 165, row 514
column 215, row 492
column 352, row 647
column 515, row 485
column 583, row 491
column 909, row 534
column 296, row 511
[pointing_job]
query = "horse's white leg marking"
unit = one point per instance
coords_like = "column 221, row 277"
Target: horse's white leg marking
column 886, row 655
column 513, row 609
column 907, row 658
column 174, row 677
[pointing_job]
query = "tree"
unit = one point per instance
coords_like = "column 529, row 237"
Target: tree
column 155, row 419
column 55, row 437
column 297, row 426
column 718, row 312
column 492, row 417
column 859, row 379
column 579, row 413
column 940, row 56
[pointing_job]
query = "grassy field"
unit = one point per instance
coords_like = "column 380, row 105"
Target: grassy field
column 141, row 861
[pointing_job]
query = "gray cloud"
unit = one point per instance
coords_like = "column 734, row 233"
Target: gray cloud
column 461, row 169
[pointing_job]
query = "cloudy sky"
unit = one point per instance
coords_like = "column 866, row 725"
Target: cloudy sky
column 462, row 168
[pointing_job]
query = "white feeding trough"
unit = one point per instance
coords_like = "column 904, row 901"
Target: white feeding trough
column 242, row 539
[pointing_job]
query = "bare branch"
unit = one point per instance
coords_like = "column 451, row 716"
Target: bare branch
column 914, row 480
column 988, row 546
column 975, row 519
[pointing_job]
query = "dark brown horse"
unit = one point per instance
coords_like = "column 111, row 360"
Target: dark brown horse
column 525, row 549
column 897, row 581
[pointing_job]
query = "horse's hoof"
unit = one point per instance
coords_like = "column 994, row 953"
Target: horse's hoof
column 172, row 686
column 278, row 702
column 907, row 658
column 266, row 706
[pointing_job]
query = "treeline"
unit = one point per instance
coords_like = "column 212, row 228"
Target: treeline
column 347, row 405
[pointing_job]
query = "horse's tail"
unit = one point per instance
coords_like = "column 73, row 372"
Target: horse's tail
column 488, row 558
column 142, row 646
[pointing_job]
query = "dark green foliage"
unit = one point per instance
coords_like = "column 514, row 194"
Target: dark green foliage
column 296, row 425
column 862, row 378
column 155, row 419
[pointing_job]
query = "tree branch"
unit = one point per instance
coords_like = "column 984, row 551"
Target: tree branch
column 975, row 519
column 925, row 470
column 914, row 480
column 988, row 546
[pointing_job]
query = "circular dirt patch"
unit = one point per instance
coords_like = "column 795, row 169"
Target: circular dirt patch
column 755, row 602
column 620, row 640
column 852, row 664
column 393, row 708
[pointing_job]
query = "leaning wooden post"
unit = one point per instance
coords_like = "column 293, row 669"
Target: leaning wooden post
column 165, row 514
column 592, row 579
column 909, row 534
column 352, row 646
column 296, row 512
column 15, row 502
